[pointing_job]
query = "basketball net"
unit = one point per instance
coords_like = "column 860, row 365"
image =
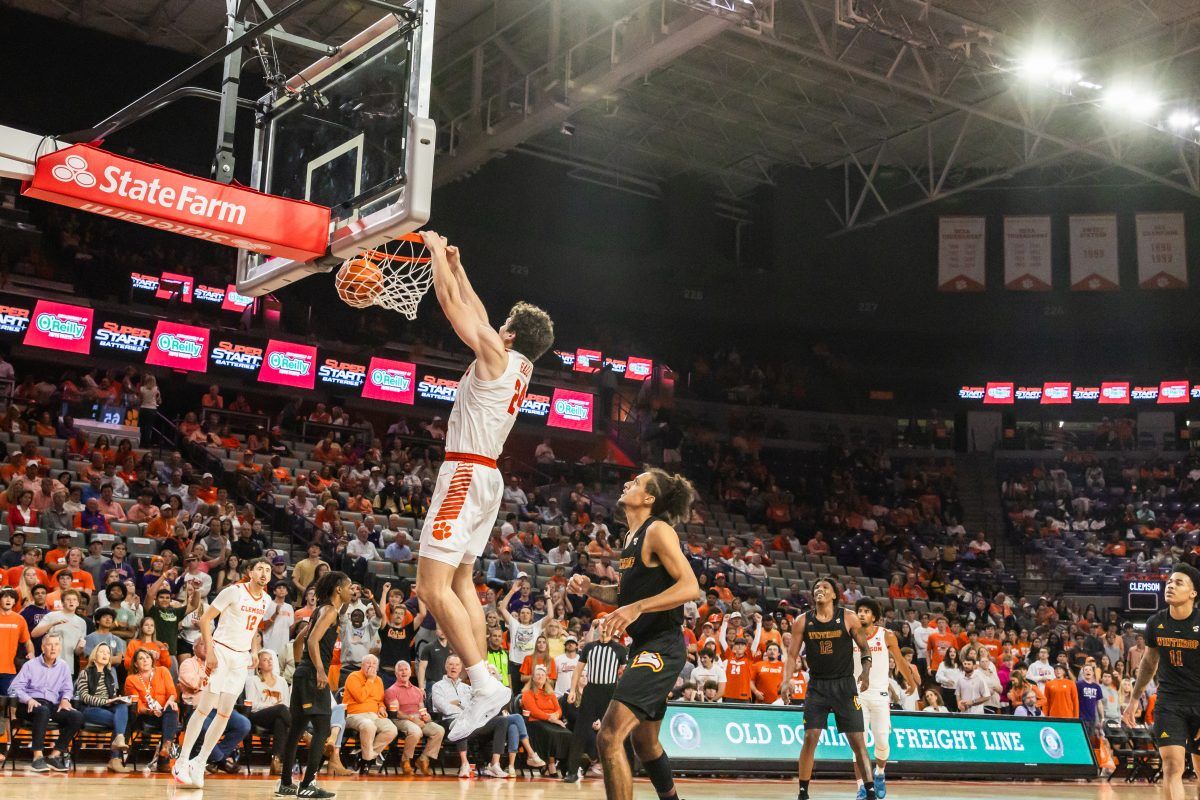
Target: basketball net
column 394, row 275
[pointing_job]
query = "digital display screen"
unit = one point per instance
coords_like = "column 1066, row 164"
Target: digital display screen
column 179, row 347
column 333, row 372
column 237, row 356
column 289, row 364
column 571, row 410
column 121, row 339
column 60, row 326
column 392, row 381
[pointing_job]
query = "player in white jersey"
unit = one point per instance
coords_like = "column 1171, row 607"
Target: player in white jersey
column 876, row 704
column 466, row 499
column 242, row 607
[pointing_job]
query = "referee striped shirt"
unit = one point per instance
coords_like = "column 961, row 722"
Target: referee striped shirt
column 603, row 659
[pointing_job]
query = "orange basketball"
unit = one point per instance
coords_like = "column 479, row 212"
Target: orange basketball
column 359, row 282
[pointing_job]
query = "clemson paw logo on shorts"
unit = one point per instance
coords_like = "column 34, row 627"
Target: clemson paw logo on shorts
column 652, row 660
column 74, row 169
column 442, row 530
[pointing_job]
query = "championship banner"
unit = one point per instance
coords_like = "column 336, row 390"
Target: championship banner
column 961, row 257
column 1094, row 253
column 1161, row 251
column 1027, row 254
column 732, row 738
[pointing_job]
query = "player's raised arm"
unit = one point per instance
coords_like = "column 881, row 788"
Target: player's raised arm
column 464, row 318
column 454, row 258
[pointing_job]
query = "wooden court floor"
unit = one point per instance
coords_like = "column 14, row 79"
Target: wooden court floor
column 91, row 785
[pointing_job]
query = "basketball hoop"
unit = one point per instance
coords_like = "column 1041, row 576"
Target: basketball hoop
column 394, row 275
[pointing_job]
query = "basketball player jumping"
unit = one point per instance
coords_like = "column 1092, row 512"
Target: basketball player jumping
column 241, row 607
column 1176, row 630
column 469, row 489
column 655, row 581
column 877, row 711
column 829, row 635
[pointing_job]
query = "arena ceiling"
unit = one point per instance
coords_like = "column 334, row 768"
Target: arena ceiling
column 906, row 102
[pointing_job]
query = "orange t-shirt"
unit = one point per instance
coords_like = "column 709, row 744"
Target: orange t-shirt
column 738, row 672
column 13, row 633
column 768, row 678
column 993, row 647
column 539, row 705
column 161, row 688
column 551, row 670
column 799, row 686
column 79, row 579
column 766, row 638
column 12, row 576
column 163, row 658
column 939, row 643
column 1062, row 698
column 208, row 495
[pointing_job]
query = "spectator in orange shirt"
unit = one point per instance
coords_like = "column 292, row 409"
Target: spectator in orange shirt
column 14, row 632
column 207, row 492
column 768, row 675
column 366, row 712
column 247, row 468
column 548, row 731
column 212, row 398
column 1062, row 695
column 799, row 686
column 817, row 546
column 723, row 591
column 155, row 691
column 738, row 673
column 939, row 643
column 29, row 560
column 913, row 590
column 81, row 579
column 147, row 639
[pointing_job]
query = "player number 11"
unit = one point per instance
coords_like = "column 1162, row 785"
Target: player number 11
column 1176, row 657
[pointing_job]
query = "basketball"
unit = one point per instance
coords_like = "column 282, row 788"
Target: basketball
column 359, row 282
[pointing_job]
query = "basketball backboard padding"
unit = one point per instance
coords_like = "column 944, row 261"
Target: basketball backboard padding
column 351, row 132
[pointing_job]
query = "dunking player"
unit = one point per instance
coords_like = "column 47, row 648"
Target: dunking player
column 655, row 581
column 469, row 488
column 829, row 635
column 1176, row 631
column 877, row 711
column 241, row 607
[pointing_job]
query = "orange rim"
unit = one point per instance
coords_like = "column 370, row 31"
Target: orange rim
column 414, row 238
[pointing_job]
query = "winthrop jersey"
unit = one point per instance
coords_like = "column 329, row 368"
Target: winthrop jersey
column 877, row 644
column 240, row 617
column 484, row 411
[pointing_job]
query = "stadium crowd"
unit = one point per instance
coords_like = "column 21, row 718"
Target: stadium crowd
column 98, row 633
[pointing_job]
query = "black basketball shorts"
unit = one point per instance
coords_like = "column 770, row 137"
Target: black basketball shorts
column 650, row 674
column 838, row 697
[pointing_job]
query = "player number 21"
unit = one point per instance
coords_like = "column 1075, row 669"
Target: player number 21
column 518, row 397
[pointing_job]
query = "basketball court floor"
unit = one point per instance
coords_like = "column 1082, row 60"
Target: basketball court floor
column 85, row 785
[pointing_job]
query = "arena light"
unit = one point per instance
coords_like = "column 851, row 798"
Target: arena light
column 1135, row 103
column 1182, row 120
column 1039, row 66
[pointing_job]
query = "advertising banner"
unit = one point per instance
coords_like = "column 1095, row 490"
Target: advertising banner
column 334, row 373
column 572, row 410
column 393, row 381
column 179, row 347
column 961, row 257
column 59, row 326
column 1027, row 254
column 93, row 180
column 239, row 356
column 119, row 338
column 1094, row 265
column 289, row 364
column 1161, row 251
column 741, row 738
column 638, row 369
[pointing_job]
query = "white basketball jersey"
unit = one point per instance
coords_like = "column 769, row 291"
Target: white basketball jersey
column 240, row 617
column 484, row 411
column 879, row 659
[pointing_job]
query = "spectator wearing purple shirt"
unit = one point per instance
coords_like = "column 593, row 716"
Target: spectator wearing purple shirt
column 1090, row 696
column 44, row 690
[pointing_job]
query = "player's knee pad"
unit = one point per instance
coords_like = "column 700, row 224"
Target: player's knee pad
column 659, row 773
column 882, row 750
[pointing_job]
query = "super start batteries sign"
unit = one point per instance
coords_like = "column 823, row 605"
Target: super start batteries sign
column 90, row 179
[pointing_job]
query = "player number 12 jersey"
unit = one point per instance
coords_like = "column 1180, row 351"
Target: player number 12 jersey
column 240, row 617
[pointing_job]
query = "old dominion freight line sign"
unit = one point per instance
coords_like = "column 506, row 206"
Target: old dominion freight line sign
column 768, row 738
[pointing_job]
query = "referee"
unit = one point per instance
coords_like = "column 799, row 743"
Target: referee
column 1173, row 661
column 604, row 659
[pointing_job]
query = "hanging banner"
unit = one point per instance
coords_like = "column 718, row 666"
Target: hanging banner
column 1094, row 253
column 1027, row 254
column 1161, row 251
column 961, row 262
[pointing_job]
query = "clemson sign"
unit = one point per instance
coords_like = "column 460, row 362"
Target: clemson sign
column 90, row 179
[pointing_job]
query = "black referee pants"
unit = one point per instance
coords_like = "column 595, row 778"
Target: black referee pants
column 592, row 706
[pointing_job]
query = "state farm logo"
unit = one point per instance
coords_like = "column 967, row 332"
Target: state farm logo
column 572, row 409
column 61, row 326
column 180, row 345
column 394, row 379
column 74, row 169
column 297, row 364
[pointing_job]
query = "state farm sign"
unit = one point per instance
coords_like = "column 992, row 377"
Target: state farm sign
column 84, row 177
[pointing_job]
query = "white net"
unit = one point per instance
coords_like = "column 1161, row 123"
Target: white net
column 395, row 276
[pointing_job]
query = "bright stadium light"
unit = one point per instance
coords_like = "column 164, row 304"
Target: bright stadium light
column 1131, row 102
column 1182, row 120
column 1039, row 66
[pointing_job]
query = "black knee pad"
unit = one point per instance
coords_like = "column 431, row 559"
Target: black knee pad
column 659, row 773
